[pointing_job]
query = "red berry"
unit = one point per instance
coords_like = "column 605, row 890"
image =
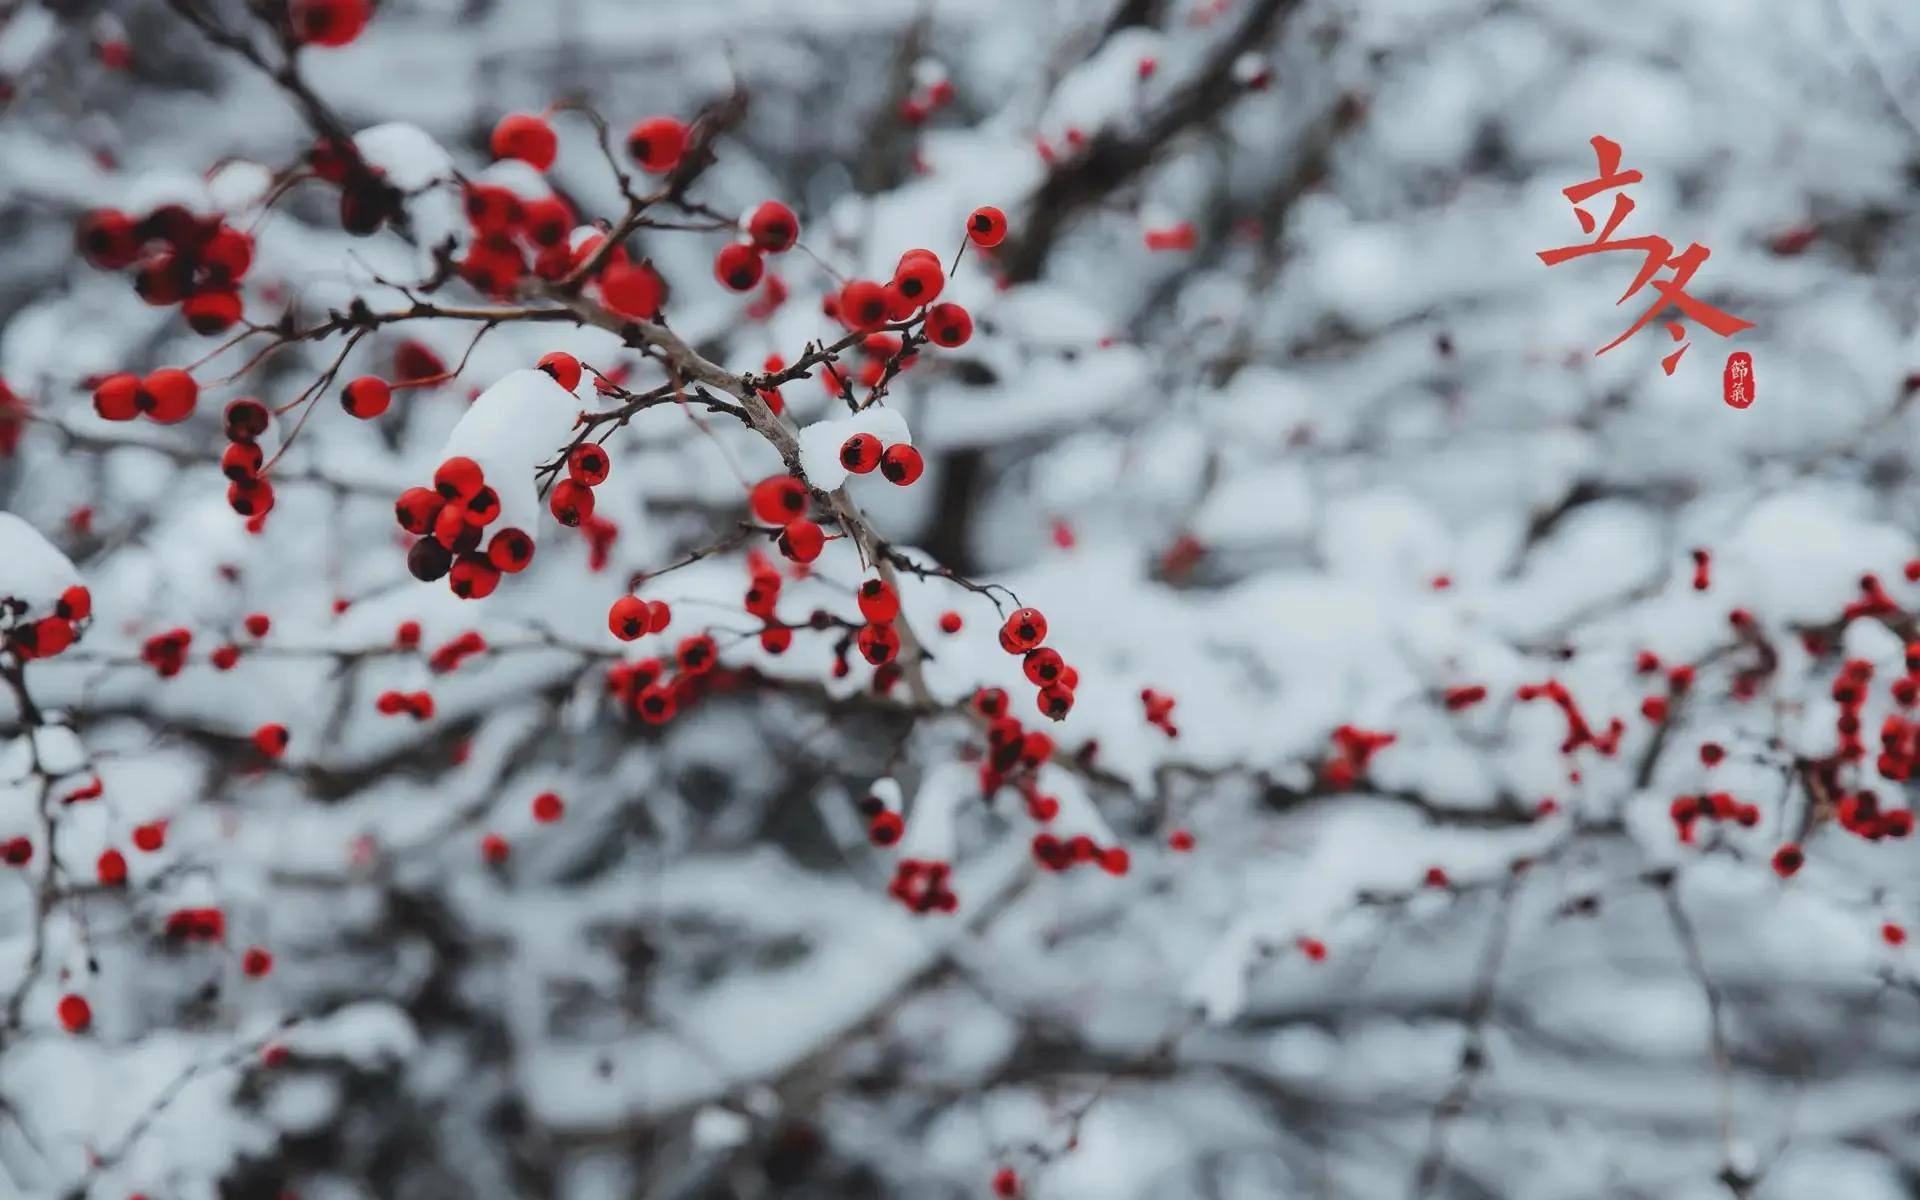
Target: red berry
column 878, row 644
column 473, row 577
column 779, row 500
column 150, row 837
column 1115, row 860
column 366, row 397
column 271, row 740
column 1180, row 840
column 738, row 266
column 1892, row 935
column 901, row 464
column 224, row 658
column 256, row 962
column 564, row 368
column 330, row 22
column 570, row 502
column 1043, row 666
column 1024, row 630
column 1006, row 1184
column 108, row 239
column 919, row 278
column 802, row 540
column 75, row 603
column 212, row 312
column 987, row 226
column 417, row 509
column 773, row 227
column 633, row 290
column 527, row 138
column 949, row 325
column 111, row 868
column 879, row 603
column 494, row 848
column 1787, row 860
column 75, row 1013
column 628, row 618
column 860, row 453
column 863, row 305
column 885, row 828
column 950, row 622
column 588, row 465
column 659, row 616
column 547, row 808
column 458, row 479
column 169, row 395
column 511, row 550
column 117, row 397
column 1055, row 701
column 658, row 143
column 244, row 419
column 776, row 639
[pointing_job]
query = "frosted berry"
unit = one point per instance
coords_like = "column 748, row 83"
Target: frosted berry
column 570, row 502
column 658, row 143
column 366, row 397
column 738, row 266
column 773, row 227
column 902, row 464
column 527, row 138
column 987, row 226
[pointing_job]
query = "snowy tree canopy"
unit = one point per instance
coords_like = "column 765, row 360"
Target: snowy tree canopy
column 638, row 598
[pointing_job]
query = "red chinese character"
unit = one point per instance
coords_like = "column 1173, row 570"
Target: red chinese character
column 1659, row 255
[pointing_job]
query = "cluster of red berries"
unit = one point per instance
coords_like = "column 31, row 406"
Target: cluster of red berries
column 782, row 502
column 1873, row 601
column 418, row 705
column 225, row 657
column 1711, row 806
column 769, row 229
column 645, row 688
column 884, row 825
column 1702, row 570
column 1159, row 708
column 166, row 652
column 632, row 618
column 513, row 236
column 179, row 258
column 449, row 656
column 196, row 925
column 1022, row 634
column 924, row 886
column 49, row 635
column 1860, row 814
column 249, row 492
column 900, row 462
column 878, row 641
column 1579, row 731
column 1850, row 691
column 166, row 396
column 763, row 595
column 450, row 518
column 1354, row 749
column 918, row 106
column 1058, row 854
column 1014, row 754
